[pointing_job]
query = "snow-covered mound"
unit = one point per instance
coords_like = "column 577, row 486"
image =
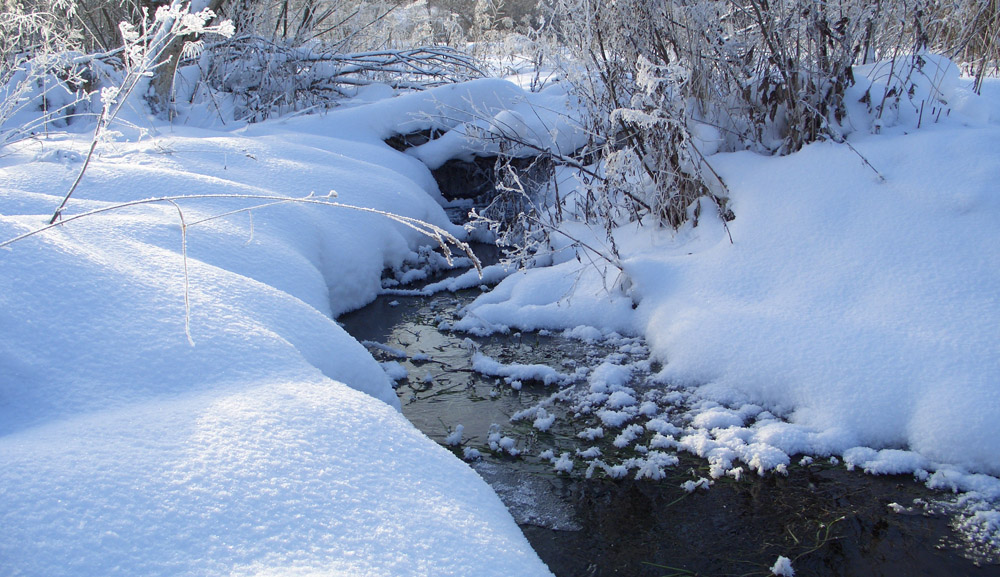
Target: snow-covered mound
column 132, row 448
column 865, row 310
column 266, row 477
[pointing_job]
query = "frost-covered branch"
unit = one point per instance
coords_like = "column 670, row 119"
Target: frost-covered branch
column 266, row 77
column 444, row 239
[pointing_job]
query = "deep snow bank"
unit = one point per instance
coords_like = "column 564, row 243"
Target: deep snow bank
column 128, row 450
column 262, row 478
column 864, row 310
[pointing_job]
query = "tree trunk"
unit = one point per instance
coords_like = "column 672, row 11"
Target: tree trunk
column 161, row 85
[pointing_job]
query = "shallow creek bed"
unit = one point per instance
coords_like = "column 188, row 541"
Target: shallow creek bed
column 603, row 494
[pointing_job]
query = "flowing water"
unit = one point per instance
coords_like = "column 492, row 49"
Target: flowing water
column 827, row 520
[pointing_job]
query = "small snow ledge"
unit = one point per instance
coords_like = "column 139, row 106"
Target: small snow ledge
column 534, row 122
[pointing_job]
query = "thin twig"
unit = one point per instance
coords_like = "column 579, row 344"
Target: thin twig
column 442, row 236
column 864, row 160
column 187, row 279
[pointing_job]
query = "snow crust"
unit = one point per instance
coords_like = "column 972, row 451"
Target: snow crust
column 270, row 443
column 268, row 478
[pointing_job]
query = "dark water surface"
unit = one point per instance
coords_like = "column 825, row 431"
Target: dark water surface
column 826, row 519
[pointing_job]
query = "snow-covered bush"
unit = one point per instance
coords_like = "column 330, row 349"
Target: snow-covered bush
column 310, row 54
column 266, row 78
column 284, row 57
column 666, row 84
column 480, row 18
column 45, row 81
column 39, row 81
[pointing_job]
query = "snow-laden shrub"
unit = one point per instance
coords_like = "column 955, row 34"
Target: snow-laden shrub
column 46, row 82
column 666, row 84
column 284, row 57
column 51, row 91
column 267, row 78
column 39, row 80
column 310, row 54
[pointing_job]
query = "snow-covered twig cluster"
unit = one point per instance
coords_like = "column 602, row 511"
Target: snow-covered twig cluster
column 266, row 78
column 667, row 84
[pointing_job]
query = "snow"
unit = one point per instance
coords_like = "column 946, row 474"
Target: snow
column 544, row 421
column 501, row 443
column 853, row 308
column 783, row 567
column 583, row 333
column 394, row 371
column 718, row 418
column 550, row 298
column 692, row 486
column 455, row 437
column 176, row 398
column 609, row 376
column 628, row 435
column 515, row 373
column 255, row 437
column 868, row 308
column 491, row 274
column 563, row 464
column 884, row 462
column 615, row 419
column 619, row 399
column 653, row 465
column 477, row 125
column 275, row 477
column 662, row 426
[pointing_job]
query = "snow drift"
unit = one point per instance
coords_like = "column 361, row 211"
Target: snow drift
column 269, row 443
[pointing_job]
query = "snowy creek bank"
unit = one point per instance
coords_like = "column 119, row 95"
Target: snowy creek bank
column 176, row 399
column 580, row 443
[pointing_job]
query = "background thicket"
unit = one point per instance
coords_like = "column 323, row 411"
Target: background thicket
column 662, row 85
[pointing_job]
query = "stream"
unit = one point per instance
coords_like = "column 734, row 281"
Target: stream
column 529, row 441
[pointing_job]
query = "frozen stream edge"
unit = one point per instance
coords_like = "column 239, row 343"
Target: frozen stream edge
column 611, row 397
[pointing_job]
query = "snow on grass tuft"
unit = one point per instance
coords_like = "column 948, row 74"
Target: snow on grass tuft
column 783, row 567
column 564, row 464
column 454, row 438
column 692, row 486
column 543, row 422
column 628, row 435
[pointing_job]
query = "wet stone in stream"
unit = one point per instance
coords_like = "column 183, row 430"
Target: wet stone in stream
column 588, row 467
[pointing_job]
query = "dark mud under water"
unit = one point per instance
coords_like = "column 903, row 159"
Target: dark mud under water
column 826, row 519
